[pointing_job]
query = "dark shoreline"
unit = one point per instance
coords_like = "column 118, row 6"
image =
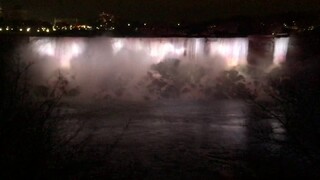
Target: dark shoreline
column 138, row 36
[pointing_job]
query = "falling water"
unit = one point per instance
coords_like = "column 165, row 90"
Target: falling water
column 106, row 64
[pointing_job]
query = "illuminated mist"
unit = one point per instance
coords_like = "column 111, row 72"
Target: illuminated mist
column 122, row 67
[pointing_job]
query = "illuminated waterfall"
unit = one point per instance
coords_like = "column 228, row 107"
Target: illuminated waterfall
column 231, row 51
column 125, row 66
column 280, row 50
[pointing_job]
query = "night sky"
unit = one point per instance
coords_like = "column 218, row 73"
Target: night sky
column 161, row 10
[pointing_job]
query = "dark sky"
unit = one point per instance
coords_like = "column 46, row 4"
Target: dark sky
column 166, row 10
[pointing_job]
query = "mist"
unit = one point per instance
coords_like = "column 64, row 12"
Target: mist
column 138, row 69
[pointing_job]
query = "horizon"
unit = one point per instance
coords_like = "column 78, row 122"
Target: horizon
column 161, row 11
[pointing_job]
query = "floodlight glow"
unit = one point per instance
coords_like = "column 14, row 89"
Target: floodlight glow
column 117, row 45
column 280, row 50
column 234, row 52
column 63, row 51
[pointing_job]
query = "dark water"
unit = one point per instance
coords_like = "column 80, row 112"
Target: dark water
column 167, row 139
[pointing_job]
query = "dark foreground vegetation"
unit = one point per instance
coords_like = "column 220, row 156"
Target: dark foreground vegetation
column 25, row 126
column 288, row 95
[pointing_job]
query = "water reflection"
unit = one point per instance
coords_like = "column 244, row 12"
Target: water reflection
column 190, row 135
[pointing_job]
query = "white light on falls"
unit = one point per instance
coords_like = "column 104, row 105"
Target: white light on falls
column 233, row 51
column 229, row 51
column 63, row 50
column 280, row 50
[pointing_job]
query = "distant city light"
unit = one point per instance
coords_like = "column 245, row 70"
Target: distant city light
column 47, row 30
column 20, row 29
column 311, row 28
column 28, row 29
column 145, row 24
column 0, row 29
column 129, row 24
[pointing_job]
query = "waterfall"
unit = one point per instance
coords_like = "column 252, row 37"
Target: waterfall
column 127, row 65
